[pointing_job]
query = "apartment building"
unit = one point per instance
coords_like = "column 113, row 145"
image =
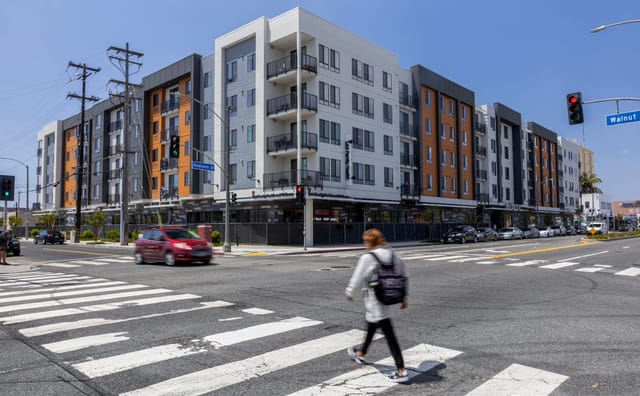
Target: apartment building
column 48, row 174
column 569, row 176
column 586, row 161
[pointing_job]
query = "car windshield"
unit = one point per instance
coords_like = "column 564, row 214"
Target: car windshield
column 457, row 229
column 506, row 229
column 181, row 234
column 594, row 225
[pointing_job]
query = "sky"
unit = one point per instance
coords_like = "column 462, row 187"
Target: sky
column 527, row 55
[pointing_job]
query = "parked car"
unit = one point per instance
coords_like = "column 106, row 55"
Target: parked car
column 510, row 233
column 600, row 228
column 559, row 230
column 531, row 232
column 49, row 237
column 571, row 230
column 546, row 232
column 462, row 234
column 14, row 246
column 486, row 234
column 171, row 245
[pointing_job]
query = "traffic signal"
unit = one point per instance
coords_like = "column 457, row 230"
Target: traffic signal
column 174, row 146
column 299, row 194
column 574, row 108
column 234, row 199
column 7, row 188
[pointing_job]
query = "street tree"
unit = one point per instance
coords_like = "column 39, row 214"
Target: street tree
column 97, row 220
column 49, row 220
column 588, row 183
column 15, row 221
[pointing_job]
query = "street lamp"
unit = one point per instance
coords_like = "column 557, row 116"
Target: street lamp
column 603, row 27
column 18, row 204
column 227, row 246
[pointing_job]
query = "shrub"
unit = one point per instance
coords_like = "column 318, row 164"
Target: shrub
column 88, row 234
column 35, row 232
column 113, row 235
column 216, row 237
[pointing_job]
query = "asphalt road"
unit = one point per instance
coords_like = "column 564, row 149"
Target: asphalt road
column 546, row 316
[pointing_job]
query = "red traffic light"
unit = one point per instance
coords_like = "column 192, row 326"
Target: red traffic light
column 299, row 189
column 573, row 99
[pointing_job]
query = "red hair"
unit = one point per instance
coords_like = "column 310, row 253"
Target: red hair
column 373, row 237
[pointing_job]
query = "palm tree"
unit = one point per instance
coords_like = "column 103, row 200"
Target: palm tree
column 588, row 183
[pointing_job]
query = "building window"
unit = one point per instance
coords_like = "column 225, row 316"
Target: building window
column 99, row 121
column 97, row 145
column 507, row 193
column 464, row 113
column 187, row 178
column 369, row 175
column 361, row 71
column 429, row 183
column 96, row 191
column 154, row 128
column 154, row 155
column 207, row 79
column 453, row 159
column 369, row 141
column 205, row 144
column 388, row 145
column 506, row 152
column 233, row 174
column 329, row 58
column 443, row 156
column 387, row 113
column 506, row 173
column 505, row 130
column 494, row 190
column 136, row 158
column 188, row 86
column 329, row 95
column 452, row 134
column 453, row 185
column 251, row 133
column 154, row 183
column 251, row 169
column 362, row 105
column 388, row 177
column 325, row 168
column 386, row 81
column 494, row 168
column 443, row 183
column 233, row 139
column 427, row 123
column 335, row 170
column 441, row 104
column 187, row 117
column 465, row 162
column 429, row 155
column 464, row 138
column 187, row 148
column 232, row 71
column 251, row 62
column 251, row 97
column 466, row 187
column 358, row 138
column 329, row 132
column 443, row 131
column 451, row 112
column 232, row 104
column 155, row 100
column 493, row 145
column 358, row 173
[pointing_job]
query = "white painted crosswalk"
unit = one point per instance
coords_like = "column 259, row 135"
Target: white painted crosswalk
column 103, row 348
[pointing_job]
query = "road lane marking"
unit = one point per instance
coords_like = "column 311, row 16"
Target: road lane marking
column 48, row 282
column 75, row 344
column 68, row 293
column 114, row 260
column 626, row 247
column 520, row 380
column 581, row 244
column 592, row 269
column 422, row 256
column 583, row 256
column 633, row 271
column 61, row 265
column 77, row 251
column 486, row 262
column 464, row 260
column 86, row 323
column 87, row 262
column 559, row 265
column 127, row 361
column 444, row 258
column 88, row 283
column 95, row 308
column 257, row 311
column 525, row 263
column 214, row 378
column 368, row 379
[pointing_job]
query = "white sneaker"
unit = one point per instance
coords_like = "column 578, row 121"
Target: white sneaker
column 396, row 377
column 351, row 351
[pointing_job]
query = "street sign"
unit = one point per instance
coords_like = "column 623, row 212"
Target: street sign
column 195, row 165
column 623, row 118
column 592, row 231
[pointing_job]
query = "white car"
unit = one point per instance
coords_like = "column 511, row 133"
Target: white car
column 546, row 232
column 599, row 228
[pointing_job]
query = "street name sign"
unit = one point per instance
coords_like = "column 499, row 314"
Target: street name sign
column 623, row 118
column 195, row 165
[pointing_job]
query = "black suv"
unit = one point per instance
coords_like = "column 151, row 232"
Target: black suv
column 462, row 234
column 13, row 247
column 49, row 237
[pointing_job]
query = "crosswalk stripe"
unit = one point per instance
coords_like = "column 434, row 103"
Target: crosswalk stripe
column 368, row 380
column 257, row 311
column 54, row 281
column 213, row 378
column 94, row 308
column 445, row 258
column 592, row 269
column 31, row 275
column 75, row 344
column 464, row 260
column 114, row 364
column 520, row 380
column 629, row 272
column 61, row 265
column 78, row 300
column 95, row 282
column 41, row 278
column 422, row 256
column 87, row 262
column 525, row 263
column 94, row 322
column 68, row 293
column 559, row 265
column 114, row 260
column 487, row 262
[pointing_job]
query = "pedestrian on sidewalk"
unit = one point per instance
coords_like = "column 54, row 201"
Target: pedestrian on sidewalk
column 5, row 237
column 377, row 315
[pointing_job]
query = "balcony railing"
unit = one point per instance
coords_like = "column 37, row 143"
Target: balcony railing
column 481, row 174
column 115, row 174
column 407, row 159
column 170, row 105
column 168, row 163
column 289, row 63
column 167, row 133
column 290, row 102
column 481, row 150
column 115, row 126
column 482, row 128
column 405, row 99
column 168, row 192
column 289, row 141
column 407, row 129
column 482, row 198
column 410, row 191
column 287, row 179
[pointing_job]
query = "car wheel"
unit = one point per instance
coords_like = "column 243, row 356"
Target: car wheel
column 138, row 258
column 169, row 259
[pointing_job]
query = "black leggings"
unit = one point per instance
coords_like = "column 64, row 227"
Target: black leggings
column 387, row 330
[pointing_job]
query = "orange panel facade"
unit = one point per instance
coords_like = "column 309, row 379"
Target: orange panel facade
column 70, row 164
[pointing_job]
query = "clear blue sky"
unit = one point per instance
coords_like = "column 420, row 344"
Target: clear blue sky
column 527, row 55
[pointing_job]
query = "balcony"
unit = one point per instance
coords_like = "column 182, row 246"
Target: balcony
column 288, row 179
column 482, row 198
column 116, row 149
column 169, row 106
column 481, row 151
column 115, row 174
column 168, row 192
column 284, row 107
column 481, row 174
column 40, row 152
column 114, row 199
column 283, row 70
column 406, row 101
column 168, row 164
column 408, row 129
column 115, row 126
column 410, row 191
column 167, row 133
column 408, row 160
column 288, row 143
column 481, row 128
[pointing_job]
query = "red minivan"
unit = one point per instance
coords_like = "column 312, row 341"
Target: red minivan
column 171, row 245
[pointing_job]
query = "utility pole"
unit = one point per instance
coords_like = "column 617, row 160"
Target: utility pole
column 124, row 185
column 86, row 72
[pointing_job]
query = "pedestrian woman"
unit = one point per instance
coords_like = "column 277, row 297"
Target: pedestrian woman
column 4, row 242
column 377, row 314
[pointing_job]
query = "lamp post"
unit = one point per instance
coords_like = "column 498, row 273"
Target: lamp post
column 603, row 27
column 227, row 246
column 26, row 232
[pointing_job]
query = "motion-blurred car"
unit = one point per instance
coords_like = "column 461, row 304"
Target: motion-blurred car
column 171, row 245
column 462, row 234
column 531, row 232
column 14, row 246
column 49, row 237
column 510, row 233
column 486, row 234
column 546, row 232
column 571, row 230
column 559, row 230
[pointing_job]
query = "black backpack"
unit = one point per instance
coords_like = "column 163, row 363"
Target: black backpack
column 390, row 283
